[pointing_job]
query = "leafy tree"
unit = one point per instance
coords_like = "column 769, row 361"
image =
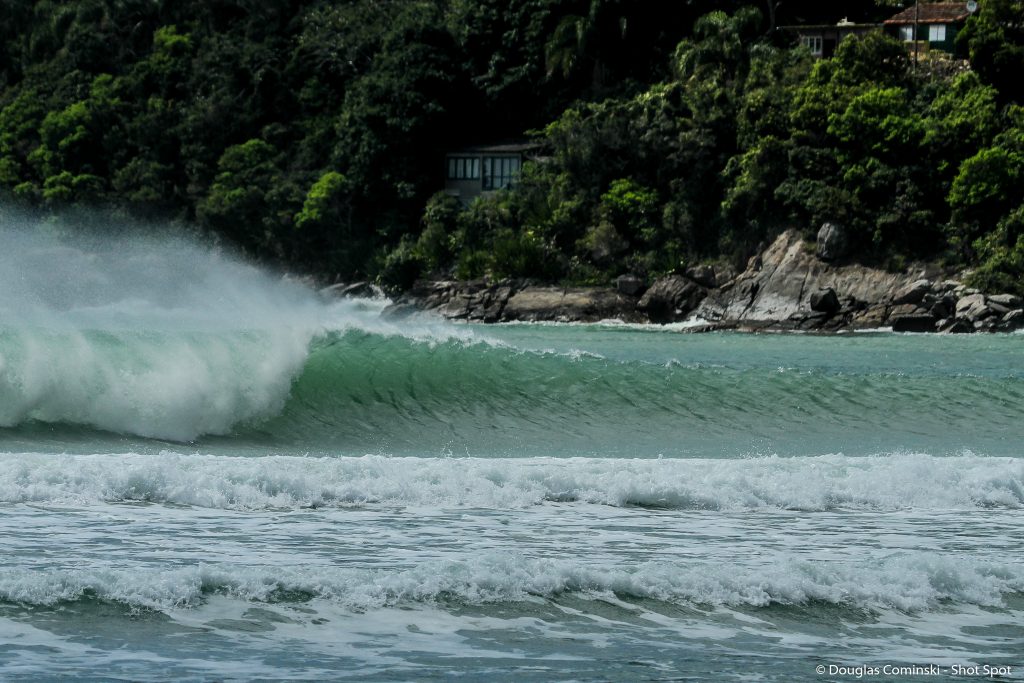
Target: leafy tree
column 988, row 186
column 994, row 37
column 240, row 204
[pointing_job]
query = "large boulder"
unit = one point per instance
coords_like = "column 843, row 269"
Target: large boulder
column 954, row 326
column 671, row 298
column 569, row 304
column 703, row 275
column 825, row 300
column 1013, row 320
column 973, row 308
column 629, row 284
column 913, row 293
column 1008, row 300
column 913, row 322
column 778, row 285
column 832, row 242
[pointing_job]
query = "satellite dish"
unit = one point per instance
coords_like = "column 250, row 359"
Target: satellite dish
column 972, row 6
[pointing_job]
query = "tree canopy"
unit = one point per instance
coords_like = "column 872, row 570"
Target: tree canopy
column 312, row 132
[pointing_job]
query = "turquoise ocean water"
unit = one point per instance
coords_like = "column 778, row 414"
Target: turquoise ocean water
column 207, row 473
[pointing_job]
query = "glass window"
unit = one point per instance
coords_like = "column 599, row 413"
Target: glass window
column 906, row 33
column 500, row 172
column 463, row 168
column 937, row 33
column 813, row 43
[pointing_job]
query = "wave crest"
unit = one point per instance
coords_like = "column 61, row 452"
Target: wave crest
column 910, row 582
column 890, row 482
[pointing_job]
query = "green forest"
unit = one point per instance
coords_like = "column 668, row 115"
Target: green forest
column 313, row 134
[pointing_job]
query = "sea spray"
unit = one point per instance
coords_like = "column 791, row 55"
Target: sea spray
column 159, row 336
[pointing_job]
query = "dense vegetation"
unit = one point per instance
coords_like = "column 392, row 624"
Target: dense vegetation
column 313, row 133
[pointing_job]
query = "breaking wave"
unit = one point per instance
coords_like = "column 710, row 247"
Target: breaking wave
column 914, row 581
column 831, row 482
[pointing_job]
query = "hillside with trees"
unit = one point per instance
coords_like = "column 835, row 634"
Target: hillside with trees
column 312, row 134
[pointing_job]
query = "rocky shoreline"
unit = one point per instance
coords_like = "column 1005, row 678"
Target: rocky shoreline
column 793, row 285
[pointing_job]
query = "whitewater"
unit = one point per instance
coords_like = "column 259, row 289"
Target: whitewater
column 208, row 471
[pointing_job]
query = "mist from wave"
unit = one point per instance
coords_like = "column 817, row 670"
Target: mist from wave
column 156, row 334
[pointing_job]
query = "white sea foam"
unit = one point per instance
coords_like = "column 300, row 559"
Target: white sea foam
column 158, row 337
column 914, row 581
column 889, row 482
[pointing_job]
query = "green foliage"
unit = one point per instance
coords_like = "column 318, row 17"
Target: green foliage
column 401, row 267
column 313, row 132
column 240, row 201
column 963, row 116
column 1001, row 256
column 440, row 219
column 325, row 203
column 994, row 38
column 879, row 121
column 988, row 186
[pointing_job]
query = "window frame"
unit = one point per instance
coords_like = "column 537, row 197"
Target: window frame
column 937, row 30
column 500, row 171
column 816, row 44
column 463, row 167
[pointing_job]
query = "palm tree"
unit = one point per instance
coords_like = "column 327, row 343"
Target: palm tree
column 579, row 40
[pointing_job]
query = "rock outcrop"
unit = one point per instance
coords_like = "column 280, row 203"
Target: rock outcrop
column 583, row 304
column 515, row 300
column 832, row 242
column 671, row 298
column 789, row 286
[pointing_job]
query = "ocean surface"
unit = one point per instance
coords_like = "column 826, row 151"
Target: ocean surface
column 209, row 473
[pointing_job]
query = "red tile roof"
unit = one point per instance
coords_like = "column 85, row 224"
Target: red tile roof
column 932, row 13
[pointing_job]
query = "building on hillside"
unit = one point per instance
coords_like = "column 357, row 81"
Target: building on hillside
column 937, row 25
column 823, row 39
column 473, row 171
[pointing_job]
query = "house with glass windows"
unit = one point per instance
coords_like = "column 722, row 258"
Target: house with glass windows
column 472, row 171
column 930, row 26
column 822, row 39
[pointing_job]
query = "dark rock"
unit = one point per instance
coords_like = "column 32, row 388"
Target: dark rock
column 913, row 293
column 812, row 321
column 671, row 298
column 944, row 307
column 832, row 242
column 913, row 323
column 825, row 301
column 724, row 274
column 495, row 306
column 954, row 326
column 629, row 284
column 703, row 275
column 851, row 304
column 1012, row 320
